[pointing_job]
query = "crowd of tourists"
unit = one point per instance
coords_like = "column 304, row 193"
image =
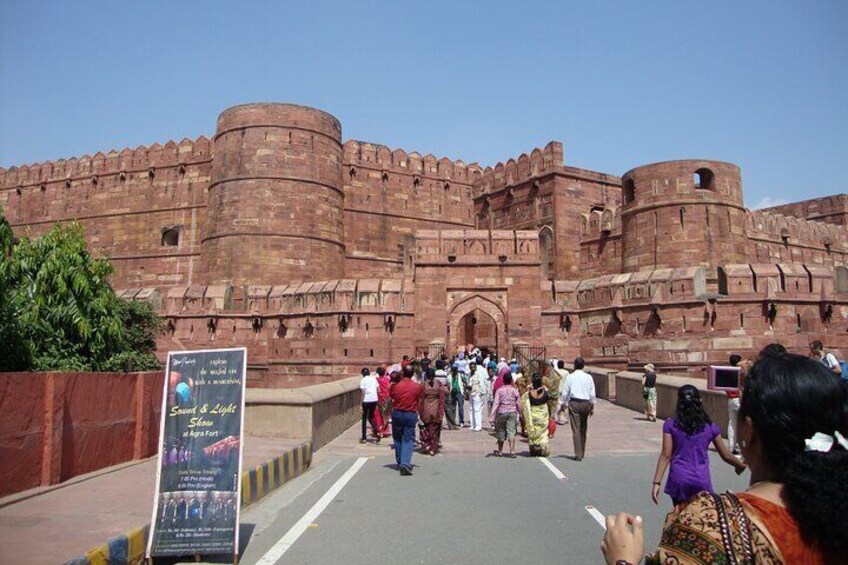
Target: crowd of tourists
column 417, row 398
column 788, row 427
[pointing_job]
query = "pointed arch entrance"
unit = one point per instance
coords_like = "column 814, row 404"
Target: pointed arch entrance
column 477, row 320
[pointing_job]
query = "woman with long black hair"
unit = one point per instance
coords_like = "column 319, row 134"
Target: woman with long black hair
column 537, row 415
column 686, row 437
column 793, row 424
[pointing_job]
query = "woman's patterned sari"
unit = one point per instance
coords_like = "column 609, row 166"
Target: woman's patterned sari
column 693, row 535
column 537, row 419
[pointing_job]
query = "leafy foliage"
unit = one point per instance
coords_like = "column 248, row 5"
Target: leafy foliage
column 60, row 312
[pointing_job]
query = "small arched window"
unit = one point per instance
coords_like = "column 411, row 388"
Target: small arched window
column 722, row 281
column 629, row 190
column 170, row 237
column 841, row 279
column 703, row 179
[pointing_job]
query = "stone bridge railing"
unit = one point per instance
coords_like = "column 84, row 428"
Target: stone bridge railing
column 319, row 412
column 624, row 388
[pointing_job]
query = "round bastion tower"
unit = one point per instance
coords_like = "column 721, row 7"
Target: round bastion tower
column 682, row 213
column 275, row 206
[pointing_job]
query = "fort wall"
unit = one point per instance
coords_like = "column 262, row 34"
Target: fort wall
column 537, row 191
column 323, row 257
column 275, row 197
column 828, row 209
column 682, row 321
column 682, row 213
column 389, row 194
column 775, row 238
column 128, row 201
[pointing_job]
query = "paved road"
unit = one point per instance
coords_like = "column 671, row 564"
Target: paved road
column 465, row 507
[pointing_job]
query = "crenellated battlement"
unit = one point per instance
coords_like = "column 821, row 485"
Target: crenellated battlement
column 601, row 223
column 380, row 157
column 473, row 246
column 830, row 209
column 516, row 171
column 654, row 287
column 776, row 281
column 793, row 231
column 142, row 159
column 313, row 297
column 765, row 283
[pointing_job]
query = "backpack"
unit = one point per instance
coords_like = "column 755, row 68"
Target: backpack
column 843, row 367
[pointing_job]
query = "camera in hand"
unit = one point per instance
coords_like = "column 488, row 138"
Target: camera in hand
column 723, row 378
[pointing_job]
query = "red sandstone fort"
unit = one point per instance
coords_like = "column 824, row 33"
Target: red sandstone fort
column 322, row 256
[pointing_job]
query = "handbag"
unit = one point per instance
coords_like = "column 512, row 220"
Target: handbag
column 733, row 521
column 552, row 425
column 645, row 392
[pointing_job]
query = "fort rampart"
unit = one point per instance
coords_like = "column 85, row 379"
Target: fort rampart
column 323, row 256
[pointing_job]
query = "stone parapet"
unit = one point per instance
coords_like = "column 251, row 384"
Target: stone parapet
column 628, row 386
column 516, row 171
column 320, row 412
column 379, row 157
column 142, row 159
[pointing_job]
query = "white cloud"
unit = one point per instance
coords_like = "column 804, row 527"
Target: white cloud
column 768, row 202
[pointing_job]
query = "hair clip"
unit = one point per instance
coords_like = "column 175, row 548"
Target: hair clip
column 823, row 443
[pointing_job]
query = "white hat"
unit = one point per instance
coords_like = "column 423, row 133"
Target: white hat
column 649, row 367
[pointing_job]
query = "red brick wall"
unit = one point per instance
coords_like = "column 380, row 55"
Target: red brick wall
column 305, row 250
column 774, row 238
column 391, row 194
column 275, row 199
column 124, row 200
column 669, row 222
column 55, row 426
column 538, row 192
column 828, row 209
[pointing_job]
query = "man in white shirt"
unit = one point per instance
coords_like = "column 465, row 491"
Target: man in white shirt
column 479, row 382
column 462, row 363
column 369, row 386
column 578, row 393
column 827, row 359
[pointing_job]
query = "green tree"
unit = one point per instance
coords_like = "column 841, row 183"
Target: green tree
column 64, row 315
column 12, row 350
column 141, row 326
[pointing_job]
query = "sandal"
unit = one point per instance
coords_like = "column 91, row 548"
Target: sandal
column 497, row 453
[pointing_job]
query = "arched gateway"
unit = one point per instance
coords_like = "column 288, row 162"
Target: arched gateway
column 477, row 320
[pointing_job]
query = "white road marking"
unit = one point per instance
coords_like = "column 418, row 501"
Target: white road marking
column 557, row 473
column 596, row 514
column 275, row 553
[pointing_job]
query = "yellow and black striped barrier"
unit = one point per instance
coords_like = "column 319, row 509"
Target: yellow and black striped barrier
column 262, row 479
column 128, row 548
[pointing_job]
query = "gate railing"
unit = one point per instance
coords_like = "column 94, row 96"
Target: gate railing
column 433, row 351
column 530, row 359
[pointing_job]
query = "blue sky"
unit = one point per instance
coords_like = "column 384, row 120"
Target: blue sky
column 763, row 84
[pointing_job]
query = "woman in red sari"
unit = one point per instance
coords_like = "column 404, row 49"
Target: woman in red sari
column 383, row 413
column 431, row 409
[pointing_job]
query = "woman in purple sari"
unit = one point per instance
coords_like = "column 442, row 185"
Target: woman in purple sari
column 686, row 437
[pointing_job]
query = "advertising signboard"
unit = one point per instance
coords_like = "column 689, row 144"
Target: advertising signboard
column 196, row 505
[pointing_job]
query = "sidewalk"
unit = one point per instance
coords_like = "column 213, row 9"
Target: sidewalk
column 63, row 523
